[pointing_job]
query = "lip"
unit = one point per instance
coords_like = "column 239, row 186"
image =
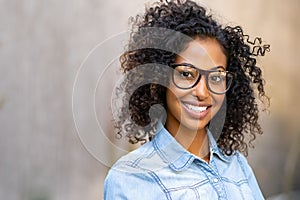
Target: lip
column 195, row 114
column 196, row 103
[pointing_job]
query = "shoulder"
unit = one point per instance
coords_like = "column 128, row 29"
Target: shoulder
column 250, row 176
column 132, row 159
column 122, row 185
column 128, row 173
column 240, row 157
column 145, row 158
column 243, row 163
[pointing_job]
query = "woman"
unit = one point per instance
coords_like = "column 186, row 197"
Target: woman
column 204, row 76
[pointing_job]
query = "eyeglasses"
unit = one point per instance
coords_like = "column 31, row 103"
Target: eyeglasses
column 186, row 76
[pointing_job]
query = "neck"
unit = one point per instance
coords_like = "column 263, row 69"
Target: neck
column 195, row 141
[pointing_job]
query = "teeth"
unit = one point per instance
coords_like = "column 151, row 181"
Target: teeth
column 196, row 108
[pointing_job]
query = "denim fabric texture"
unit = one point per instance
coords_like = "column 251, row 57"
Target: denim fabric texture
column 163, row 170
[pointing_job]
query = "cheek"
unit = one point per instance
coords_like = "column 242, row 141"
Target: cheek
column 172, row 99
column 220, row 98
column 174, row 94
column 218, row 101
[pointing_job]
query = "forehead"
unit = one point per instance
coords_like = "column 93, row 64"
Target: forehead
column 203, row 53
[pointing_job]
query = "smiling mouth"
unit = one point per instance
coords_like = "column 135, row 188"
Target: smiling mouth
column 197, row 109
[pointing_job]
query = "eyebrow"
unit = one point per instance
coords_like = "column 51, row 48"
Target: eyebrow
column 218, row 67
column 189, row 64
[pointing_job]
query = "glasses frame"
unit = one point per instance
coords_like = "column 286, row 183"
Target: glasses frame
column 205, row 73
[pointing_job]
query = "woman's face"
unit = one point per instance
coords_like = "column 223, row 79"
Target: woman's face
column 193, row 108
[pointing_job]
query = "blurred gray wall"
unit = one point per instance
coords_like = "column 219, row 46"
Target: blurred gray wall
column 44, row 43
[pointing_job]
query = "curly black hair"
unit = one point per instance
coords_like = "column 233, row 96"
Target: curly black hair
column 154, row 43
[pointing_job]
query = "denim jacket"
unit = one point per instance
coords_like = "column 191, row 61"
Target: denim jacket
column 163, row 169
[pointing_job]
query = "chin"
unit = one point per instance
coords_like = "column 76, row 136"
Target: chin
column 195, row 124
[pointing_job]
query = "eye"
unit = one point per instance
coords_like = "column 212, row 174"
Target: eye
column 217, row 77
column 186, row 73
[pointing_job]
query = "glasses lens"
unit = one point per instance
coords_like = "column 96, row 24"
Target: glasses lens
column 185, row 76
column 219, row 81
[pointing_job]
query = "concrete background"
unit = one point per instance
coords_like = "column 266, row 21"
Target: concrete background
column 42, row 46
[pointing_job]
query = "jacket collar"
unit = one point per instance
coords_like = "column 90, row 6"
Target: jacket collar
column 176, row 156
column 215, row 150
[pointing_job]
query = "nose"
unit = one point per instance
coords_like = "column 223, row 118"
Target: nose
column 201, row 89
